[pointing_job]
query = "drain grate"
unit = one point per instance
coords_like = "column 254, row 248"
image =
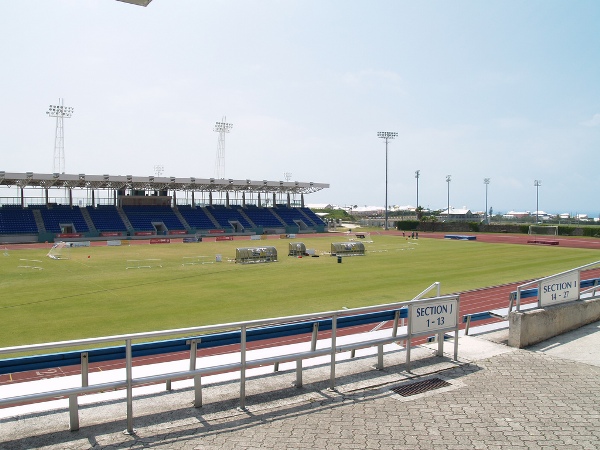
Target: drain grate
column 420, row 387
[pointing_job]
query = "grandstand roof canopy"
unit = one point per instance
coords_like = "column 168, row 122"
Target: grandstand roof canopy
column 137, row 2
column 83, row 181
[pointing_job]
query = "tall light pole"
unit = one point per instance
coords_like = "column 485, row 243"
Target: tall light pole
column 417, row 175
column 60, row 112
column 486, row 181
column 221, row 128
column 387, row 135
column 537, row 184
column 448, row 179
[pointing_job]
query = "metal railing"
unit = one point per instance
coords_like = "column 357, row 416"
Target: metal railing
column 407, row 310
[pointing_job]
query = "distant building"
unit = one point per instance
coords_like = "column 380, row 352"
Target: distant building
column 458, row 215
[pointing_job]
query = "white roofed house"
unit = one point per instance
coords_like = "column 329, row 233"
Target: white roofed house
column 458, row 215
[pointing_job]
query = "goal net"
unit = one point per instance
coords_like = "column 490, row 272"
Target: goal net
column 360, row 236
column 60, row 250
column 546, row 230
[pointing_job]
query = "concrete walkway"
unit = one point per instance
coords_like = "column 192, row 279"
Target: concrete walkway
column 546, row 397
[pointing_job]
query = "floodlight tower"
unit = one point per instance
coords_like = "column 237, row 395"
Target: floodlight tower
column 387, row 135
column 537, row 184
column 221, row 128
column 448, row 179
column 60, row 112
column 417, row 175
column 486, row 181
column 158, row 170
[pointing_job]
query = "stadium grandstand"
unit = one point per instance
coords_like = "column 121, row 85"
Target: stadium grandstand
column 55, row 207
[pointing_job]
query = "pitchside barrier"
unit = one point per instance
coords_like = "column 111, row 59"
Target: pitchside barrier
column 564, row 287
column 424, row 316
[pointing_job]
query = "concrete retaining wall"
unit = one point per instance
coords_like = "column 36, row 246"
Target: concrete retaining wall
column 530, row 327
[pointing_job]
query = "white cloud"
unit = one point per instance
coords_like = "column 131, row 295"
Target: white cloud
column 593, row 122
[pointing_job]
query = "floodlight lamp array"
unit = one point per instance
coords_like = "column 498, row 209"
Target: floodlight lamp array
column 223, row 127
column 60, row 111
column 387, row 134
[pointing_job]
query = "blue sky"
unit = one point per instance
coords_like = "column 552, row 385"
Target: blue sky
column 506, row 90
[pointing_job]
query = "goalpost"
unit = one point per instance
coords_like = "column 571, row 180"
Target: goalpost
column 546, row 230
column 60, row 250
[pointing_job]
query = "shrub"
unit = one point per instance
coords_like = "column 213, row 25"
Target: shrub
column 564, row 230
column 474, row 226
column 407, row 225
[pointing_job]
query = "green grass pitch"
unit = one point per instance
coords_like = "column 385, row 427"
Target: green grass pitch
column 101, row 291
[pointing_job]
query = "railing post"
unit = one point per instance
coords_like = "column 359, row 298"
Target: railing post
column 333, row 349
column 73, row 413
column 440, row 338
column 315, row 335
column 468, row 324
column 197, row 378
column 395, row 328
column 193, row 352
column 299, row 373
column 456, row 345
column 85, row 368
column 197, row 391
column 409, row 339
column 129, row 380
column 379, row 357
column 243, row 368
column 408, row 344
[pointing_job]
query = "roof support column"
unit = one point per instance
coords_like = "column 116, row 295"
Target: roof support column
column 259, row 205
column 288, row 200
column 302, row 200
column 22, row 198
column 227, row 199
column 93, row 198
column 274, row 199
column 174, row 199
column 70, row 197
column 210, row 198
column 46, row 194
column 243, row 199
column 193, row 202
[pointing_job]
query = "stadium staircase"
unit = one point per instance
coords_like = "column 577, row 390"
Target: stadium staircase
column 245, row 216
column 278, row 217
column 125, row 220
column 39, row 221
column 88, row 220
column 212, row 218
column 182, row 220
column 313, row 223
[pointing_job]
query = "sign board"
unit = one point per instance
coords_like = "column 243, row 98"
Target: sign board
column 160, row 241
column 560, row 289
column 433, row 315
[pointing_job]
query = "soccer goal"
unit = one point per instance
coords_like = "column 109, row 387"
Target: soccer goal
column 60, row 250
column 546, row 230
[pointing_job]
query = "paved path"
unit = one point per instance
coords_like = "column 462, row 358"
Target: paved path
column 546, row 397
